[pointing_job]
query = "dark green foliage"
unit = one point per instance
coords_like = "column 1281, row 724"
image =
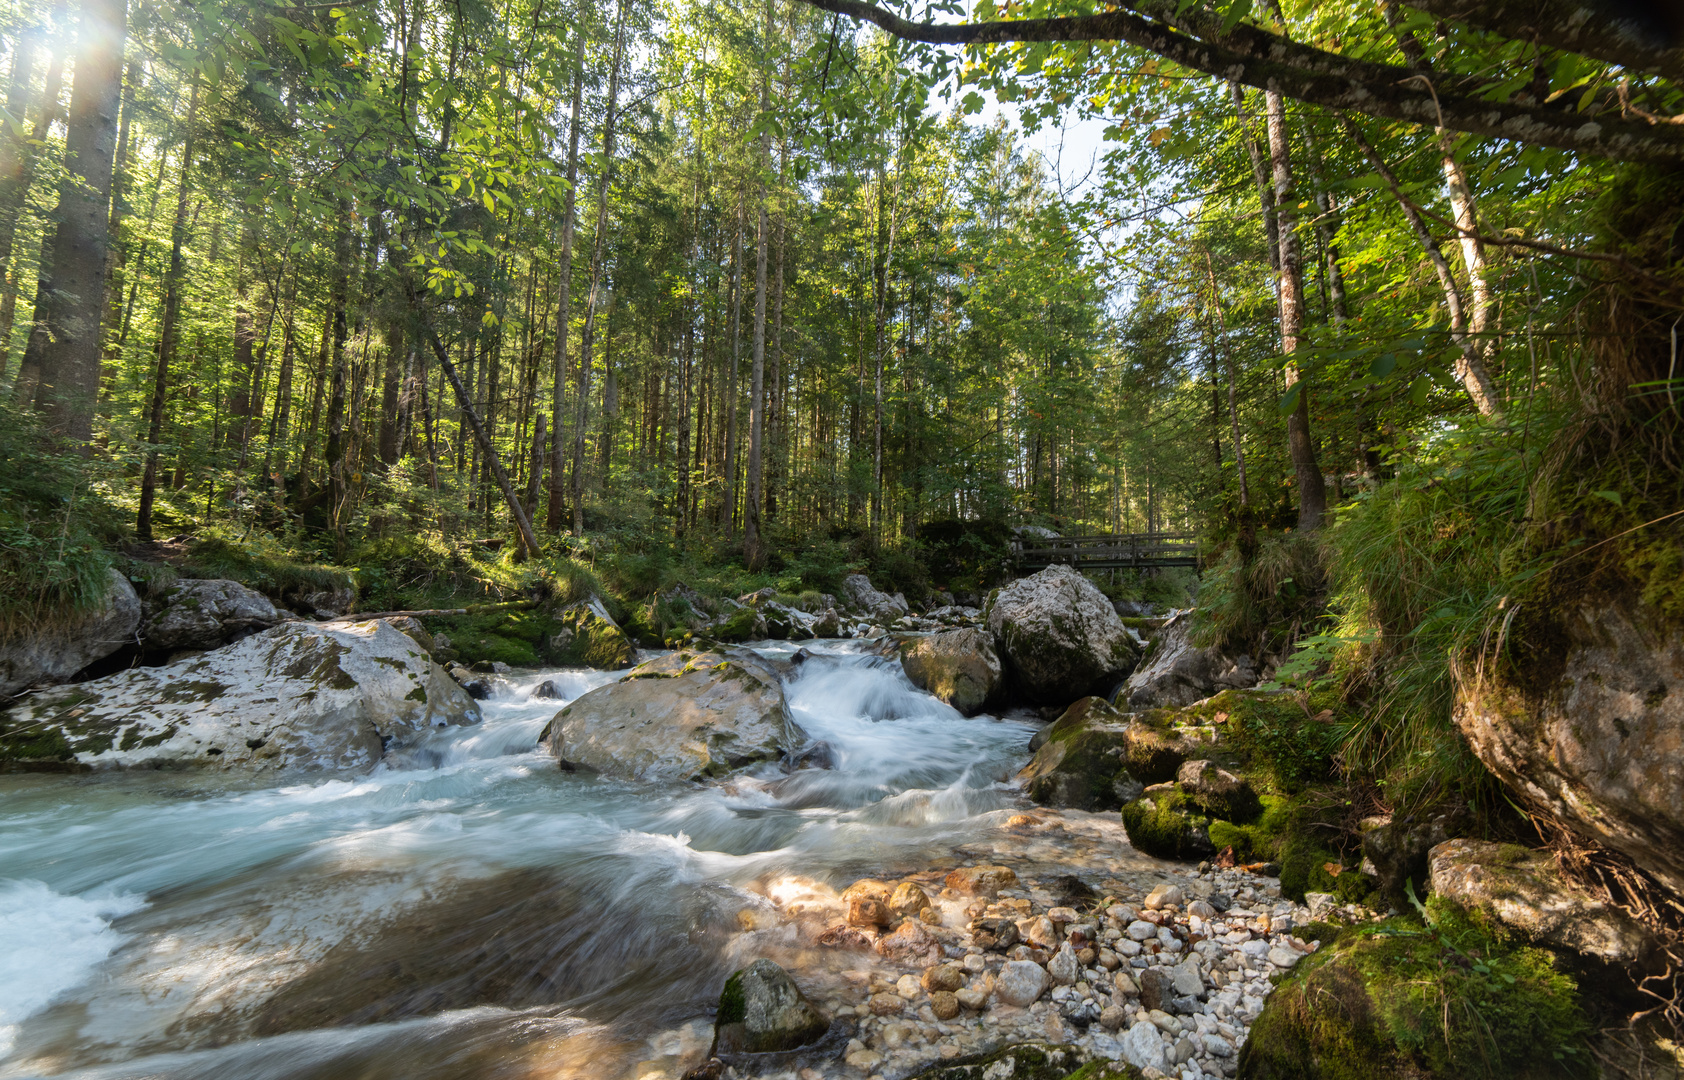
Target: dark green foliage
column 1449, row 999
column 54, row 526
column 967, row 555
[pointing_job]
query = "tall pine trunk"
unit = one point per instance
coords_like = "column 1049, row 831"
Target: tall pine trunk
column 16, row 198
column 70, row 297
column 564, row 297
column 754, row 548
column 598, row 245
column 167, row 332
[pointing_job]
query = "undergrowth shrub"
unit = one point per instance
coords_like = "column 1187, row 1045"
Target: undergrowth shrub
column 54, row 526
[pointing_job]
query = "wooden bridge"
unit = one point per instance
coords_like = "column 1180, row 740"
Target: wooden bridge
column 1129, row 551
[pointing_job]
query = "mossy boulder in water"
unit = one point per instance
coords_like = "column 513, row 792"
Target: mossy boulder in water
column 1406, row 1001
column 586, row 635
column 762, row 1011
column 302, row 695
column 1081, row 759
column 687, row 715
column 960, row 667
column 1060, row 637
column 1167, row 824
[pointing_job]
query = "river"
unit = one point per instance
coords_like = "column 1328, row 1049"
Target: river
column 469, row 911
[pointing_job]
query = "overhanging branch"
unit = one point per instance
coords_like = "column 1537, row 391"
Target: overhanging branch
column 1266, row 61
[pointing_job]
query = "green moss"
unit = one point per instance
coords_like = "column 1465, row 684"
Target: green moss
column 1168, row 826
column 731, row 1007
column 583, row 637
column 417, row 694
column 511, row 637
column 1260, row 840
column 1450, row 999
column 195, row 690
column 739, row 626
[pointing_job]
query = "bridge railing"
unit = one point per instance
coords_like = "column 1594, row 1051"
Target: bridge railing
column 1121, row 550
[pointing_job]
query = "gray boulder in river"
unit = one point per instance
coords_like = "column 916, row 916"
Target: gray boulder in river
column 1060, row 637
column 1175, row 672
column 302, row 695
column 959, row 666
column 205, row 614
column 1596, row 738
column 761, row 1010
column 51, row 656
column 684, row 716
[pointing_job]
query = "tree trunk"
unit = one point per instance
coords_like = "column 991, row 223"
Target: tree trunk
column 115, row 252
column 564, row 311
column 598, row 243
column 522, row 523
column 1312, row 490
column 535, row 474
column 754, row 548
column 729, row 507
column 70, row 299
column 1470, row 366
column 339, row 300
column 167, row 332
column 11, row 217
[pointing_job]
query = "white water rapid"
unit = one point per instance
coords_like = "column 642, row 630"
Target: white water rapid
column 475, row 912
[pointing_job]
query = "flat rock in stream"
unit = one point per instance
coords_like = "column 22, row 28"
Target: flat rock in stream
column 683, row 716
column 301, row 695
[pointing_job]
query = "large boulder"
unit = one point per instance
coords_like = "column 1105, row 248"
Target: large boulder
column 1083, row 760
column 586, row 635
column 1523, row 890
column 301, row 695
column 860, row 595
column 205, row 614
column 1059, row 636
column 1595, row 739
column 960, row 667
column 686, row 715
column 54, row 654
column 762, row 1011
column 1174, row 672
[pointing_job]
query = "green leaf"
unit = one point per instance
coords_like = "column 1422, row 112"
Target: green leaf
column 1237, row 10
column 1384, row 365
column 1289, row 400
column 1611, row 496
column 1419, row 389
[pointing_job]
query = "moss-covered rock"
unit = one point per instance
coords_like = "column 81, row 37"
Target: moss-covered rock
column 1406, row 1001
column 514, row 637
column 1218, row 792
column 586, row 635
column 960, row 667
column 1276, row 736
column 1165, row 823
column 1080, row 760
column 1259, row 840
column 762, row 1011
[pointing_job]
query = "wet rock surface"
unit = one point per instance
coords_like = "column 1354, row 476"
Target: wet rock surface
column 301, row 696
column 683, row 716
column 958, row 666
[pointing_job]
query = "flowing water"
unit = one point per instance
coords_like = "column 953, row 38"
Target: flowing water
column 469, row 911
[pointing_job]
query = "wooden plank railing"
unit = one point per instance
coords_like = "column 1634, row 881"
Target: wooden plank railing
column 1121, row 551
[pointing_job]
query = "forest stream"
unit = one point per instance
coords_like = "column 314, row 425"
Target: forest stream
column 476, row 910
